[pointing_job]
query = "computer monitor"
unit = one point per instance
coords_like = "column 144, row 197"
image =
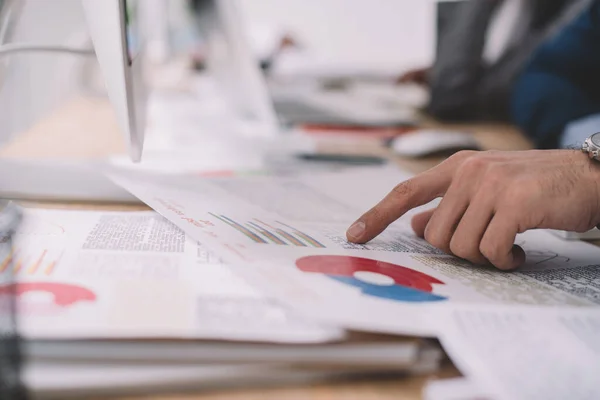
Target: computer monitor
column 119, row 46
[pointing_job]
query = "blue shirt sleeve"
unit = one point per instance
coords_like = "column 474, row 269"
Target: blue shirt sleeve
column 577, row 131
column 561, row 83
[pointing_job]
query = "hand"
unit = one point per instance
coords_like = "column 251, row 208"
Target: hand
column 490, row 197
column 418, row 76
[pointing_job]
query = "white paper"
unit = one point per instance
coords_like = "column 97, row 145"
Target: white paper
column 525, row 353
column 135, row 274
column 392, row 354
column 65, row 380
column 286, row 236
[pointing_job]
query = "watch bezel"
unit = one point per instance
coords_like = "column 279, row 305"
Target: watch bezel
column 591, row 140
column 592, row 149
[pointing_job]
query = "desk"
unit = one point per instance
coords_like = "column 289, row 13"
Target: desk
column 86, row 128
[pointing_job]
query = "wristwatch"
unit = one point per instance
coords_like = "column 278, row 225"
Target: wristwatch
column 591, row 146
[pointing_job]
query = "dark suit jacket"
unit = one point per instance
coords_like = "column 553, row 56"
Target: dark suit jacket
column 463, row 87
column 562, row 82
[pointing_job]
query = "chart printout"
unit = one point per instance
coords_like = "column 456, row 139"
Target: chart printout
column 87, row 274
column 286, row 236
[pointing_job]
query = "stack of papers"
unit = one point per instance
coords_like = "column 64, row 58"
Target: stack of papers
column 286, row 237
column 249, row 280
column 118, row 275
column 126, row 300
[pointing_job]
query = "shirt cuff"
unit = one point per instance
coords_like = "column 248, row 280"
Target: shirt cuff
column 577, row 131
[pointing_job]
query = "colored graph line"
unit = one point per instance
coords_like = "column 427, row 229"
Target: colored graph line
column 309, row 239
column 243, row 229
column 52, row 265
column 18, row 266
column 21, row 264
column 6, row 262
column 261, row 232
column 272, row 237
column 265, row 224
column 34, row 267
column 291, row 238
column 240, row 228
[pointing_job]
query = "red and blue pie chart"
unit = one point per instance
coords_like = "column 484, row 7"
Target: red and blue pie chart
column 392, row 282
column 63, row 294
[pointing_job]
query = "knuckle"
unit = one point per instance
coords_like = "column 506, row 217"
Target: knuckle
column 404, row 189
column 473, row 165
column 436, row 239
column 493, row 253
column 462, row 249
column 463, row 155
column 489, row 250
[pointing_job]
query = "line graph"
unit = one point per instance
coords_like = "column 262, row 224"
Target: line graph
column 277, row 233
column 40, row 226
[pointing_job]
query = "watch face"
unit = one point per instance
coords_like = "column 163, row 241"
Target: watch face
column 595, row 138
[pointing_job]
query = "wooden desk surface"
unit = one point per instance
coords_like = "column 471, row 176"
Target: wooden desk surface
column 86, row 128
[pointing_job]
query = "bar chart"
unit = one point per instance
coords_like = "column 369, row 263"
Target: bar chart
column 40, row 262
column 277, row 233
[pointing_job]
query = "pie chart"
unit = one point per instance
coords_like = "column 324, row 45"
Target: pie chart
column 63, row 295
column 374, row 278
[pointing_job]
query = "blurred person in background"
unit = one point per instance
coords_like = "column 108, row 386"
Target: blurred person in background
column 556, row 100
column 463, row 85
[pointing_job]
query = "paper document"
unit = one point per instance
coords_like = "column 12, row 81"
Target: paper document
column 77, row 381
column 286, row 236
column 385, row 354
column 526, row 353
column 135, row 274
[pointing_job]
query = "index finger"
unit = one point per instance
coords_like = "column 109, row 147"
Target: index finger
column 407, row 195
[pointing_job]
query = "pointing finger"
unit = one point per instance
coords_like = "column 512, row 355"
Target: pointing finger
column 404, row 197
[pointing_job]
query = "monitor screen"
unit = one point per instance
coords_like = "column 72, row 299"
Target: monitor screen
column 132, row 29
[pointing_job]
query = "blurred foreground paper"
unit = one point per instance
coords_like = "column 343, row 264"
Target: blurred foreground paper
column 61, row 381
column 136, row 275
column 105, row 298
column 526, row 353
column 10, row 344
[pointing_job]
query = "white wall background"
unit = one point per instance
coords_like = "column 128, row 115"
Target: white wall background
column 371, row 33
column 383, row 33
column 35, row 83
column 375, row 32
column 365, row 32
